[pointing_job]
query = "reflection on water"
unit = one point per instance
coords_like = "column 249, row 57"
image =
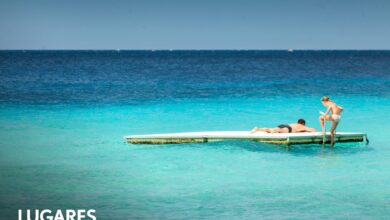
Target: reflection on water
column 317, row 150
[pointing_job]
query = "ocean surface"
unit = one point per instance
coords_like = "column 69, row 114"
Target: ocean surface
column 63, row 115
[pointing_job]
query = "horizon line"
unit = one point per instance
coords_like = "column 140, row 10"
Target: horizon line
column 118, row 49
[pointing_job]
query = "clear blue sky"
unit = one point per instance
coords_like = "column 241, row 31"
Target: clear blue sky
column 195, row 24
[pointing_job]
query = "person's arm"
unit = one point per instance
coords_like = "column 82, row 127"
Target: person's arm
column 327, row 111
column 305, row 129
column 310, row 129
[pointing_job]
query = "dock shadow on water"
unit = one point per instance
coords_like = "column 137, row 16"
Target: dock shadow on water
column 309, row 150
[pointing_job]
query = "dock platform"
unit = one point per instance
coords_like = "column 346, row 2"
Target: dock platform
column 263, row 137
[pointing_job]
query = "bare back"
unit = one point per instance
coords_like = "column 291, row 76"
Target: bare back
column 300, row 128
column 335, row 109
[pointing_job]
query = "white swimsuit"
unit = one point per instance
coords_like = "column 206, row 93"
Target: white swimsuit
column 336, row 118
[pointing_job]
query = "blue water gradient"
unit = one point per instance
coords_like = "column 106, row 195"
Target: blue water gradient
column 63, row 115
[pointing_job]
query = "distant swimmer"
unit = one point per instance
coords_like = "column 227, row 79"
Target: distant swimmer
column 334, row 117
column 287, row 128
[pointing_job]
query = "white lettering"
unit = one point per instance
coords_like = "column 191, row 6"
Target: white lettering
column 28, row 214
column 80, row 214
column 42, row 215
column 70, row 214
column 59, row 215
column 90, row 215
column 47, row 214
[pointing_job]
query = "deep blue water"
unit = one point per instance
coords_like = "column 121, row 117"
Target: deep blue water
column 63, row 115
column 133, row 77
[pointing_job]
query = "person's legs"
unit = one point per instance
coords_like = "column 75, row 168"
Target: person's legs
column 279, row 130
column 322, row 122
column 271, row 130
column 256, row 129
column 332, row 130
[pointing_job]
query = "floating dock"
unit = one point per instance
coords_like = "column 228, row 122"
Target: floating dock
column 263, row 137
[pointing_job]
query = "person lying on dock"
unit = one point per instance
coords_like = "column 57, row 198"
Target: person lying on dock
column 300, row 126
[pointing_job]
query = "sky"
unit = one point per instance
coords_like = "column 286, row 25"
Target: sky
column 195, row 24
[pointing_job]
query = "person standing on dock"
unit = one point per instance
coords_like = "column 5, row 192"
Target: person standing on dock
column 334, row 117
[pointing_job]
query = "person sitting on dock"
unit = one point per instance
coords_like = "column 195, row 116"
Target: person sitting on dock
column 300, row 126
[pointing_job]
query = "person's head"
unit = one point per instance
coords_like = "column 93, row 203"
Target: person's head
column 301, row 121
column 325, row 100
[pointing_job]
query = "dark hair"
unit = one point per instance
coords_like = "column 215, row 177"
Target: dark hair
column 301, row 121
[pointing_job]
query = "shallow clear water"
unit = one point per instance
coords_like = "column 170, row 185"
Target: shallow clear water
column 63, row 115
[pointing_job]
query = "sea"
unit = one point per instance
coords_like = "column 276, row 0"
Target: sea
column 63, row 115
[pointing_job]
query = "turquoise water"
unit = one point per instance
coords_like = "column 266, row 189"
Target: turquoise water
column 61, row 149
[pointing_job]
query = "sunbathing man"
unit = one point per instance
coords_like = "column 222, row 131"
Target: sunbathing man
column 284, row 128
column 334, row 117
